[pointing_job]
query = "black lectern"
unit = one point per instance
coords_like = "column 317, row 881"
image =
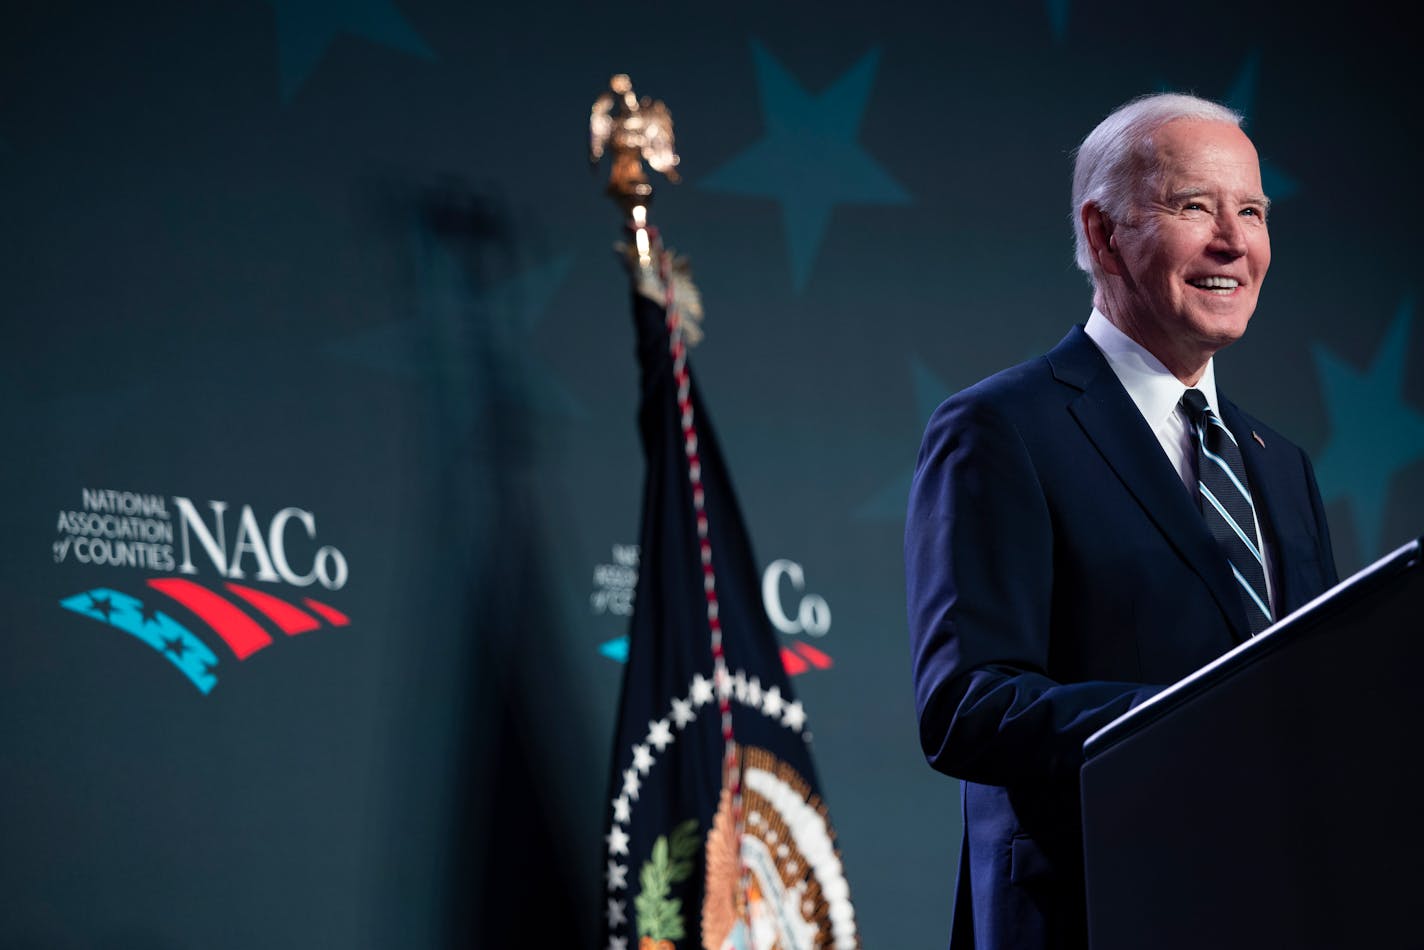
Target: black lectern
column 1274, row 798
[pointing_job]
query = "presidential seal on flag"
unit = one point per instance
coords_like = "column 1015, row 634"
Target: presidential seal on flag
column 777, row 882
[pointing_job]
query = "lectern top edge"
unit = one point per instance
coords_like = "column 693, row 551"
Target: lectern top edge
column 1342, row 596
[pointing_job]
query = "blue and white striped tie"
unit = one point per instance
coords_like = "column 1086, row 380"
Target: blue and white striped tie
column 1227, row 507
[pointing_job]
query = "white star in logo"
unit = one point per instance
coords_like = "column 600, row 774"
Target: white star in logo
column 753, row 692
column 701, row 690
column 631, row 784
column 682, row 712
column 617, row 943
column 795, row 716
column 620, row 809
column 617, row 840
column 771, row 702
column 616, row 912
column 660, row 734
column 642, row 759
column 617, row 876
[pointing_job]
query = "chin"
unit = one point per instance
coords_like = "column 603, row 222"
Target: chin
column 1221, row 330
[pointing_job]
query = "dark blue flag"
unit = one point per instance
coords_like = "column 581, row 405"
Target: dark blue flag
column 711, row 843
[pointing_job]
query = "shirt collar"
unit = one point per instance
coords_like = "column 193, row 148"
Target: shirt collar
column 1150, row 384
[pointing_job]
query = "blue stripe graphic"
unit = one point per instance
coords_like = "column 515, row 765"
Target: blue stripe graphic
column 168, row 637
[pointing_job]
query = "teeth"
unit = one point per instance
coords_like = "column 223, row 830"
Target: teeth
column 1215, row 283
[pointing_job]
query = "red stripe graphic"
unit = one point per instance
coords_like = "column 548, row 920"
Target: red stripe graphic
column 818, row 659
column 793, row 663
column 289, row 618
column 238, row 631
column 330, row 614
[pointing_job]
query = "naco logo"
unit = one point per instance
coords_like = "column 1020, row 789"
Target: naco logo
column 270, row 558
column 135, row 530
column 812, row 615
column 791, row 609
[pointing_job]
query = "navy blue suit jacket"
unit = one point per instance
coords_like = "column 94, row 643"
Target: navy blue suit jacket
column 1058, row 574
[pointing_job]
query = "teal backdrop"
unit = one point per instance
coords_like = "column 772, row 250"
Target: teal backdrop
column 316, row 299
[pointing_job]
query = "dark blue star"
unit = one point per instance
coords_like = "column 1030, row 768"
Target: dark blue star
column 1373, row 434
column 101, row 605
column 1058, row 18
column 1242, row 98
column 305, row 28
column 809, row 159
column 147, row 614
column 168, row 637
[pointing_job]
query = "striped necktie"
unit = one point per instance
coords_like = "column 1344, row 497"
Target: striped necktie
column 1226, row 505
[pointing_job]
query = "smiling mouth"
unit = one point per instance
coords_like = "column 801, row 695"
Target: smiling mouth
column 1221, row 286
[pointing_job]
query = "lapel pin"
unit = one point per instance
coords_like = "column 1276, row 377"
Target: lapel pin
column 1260, row 441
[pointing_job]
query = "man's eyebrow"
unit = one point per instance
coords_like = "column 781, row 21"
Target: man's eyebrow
column 1185, row 194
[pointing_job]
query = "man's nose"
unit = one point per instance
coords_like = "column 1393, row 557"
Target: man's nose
column 1230, row 236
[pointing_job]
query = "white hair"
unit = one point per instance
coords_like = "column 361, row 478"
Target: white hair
column 1117, row 154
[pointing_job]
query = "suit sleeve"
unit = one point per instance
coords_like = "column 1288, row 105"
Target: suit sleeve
column 979, row 562
column 1324, row 551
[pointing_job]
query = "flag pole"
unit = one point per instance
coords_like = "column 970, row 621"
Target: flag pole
column 637, row 131
column 770, row 871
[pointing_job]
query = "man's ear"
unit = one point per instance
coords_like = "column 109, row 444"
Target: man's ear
column 1102, row 238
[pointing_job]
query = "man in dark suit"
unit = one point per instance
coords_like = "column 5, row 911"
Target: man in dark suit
column 1069, row 547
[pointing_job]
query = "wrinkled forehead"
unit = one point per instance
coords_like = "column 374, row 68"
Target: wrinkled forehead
column 1202, row 155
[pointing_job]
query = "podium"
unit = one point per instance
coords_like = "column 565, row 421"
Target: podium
column 1274, row 798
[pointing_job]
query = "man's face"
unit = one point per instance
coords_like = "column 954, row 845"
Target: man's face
column 1195, row 249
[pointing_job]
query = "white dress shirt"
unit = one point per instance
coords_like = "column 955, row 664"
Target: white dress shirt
column 1157, row 394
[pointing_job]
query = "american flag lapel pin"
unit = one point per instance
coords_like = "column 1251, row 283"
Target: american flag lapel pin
column 1259, row 441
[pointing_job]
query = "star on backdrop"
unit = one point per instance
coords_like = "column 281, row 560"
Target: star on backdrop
column 1374, row 435
column 809, row 159
column 1058, row 18
column 307, row 28
column 1241, row 96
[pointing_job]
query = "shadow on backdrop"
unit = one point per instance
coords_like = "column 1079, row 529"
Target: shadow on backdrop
column 509, row 872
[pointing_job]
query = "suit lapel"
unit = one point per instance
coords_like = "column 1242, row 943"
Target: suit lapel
column 1112, row 422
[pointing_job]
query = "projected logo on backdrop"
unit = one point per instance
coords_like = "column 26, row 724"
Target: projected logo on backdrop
column 134, row 530
column 789, row 607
